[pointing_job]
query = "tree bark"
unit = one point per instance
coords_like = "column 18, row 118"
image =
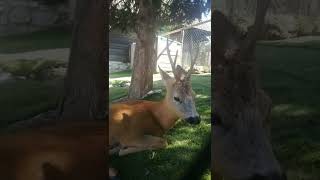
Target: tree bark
column 72, row 7
column 144, row 58
column 86, row 81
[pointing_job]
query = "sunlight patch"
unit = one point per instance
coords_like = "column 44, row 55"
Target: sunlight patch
column 292, row 110
column 201, row 96
column 179, row 143
column 300, row 112
column 282, row 107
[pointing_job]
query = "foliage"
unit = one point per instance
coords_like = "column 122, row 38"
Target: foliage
column 119, row 83
column 123, row 14
column 19, row 68
column 37, row 69
column 44, row 69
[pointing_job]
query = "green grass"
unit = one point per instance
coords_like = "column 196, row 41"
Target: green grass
column 32, row 69
column 184, row 140
column 48, row 39
column 126, row 73
column 315, row 44
column 291, row 77
column 117, row 93
column 21, row 99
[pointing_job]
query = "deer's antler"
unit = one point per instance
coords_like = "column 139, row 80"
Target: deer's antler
column 193, row 59
column 173, row 63
column 253, row 33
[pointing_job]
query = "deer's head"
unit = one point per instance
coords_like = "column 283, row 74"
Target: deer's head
column 180, row 96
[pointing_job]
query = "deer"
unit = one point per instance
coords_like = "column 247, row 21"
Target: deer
column 241, row 148
column 68, row 151
column 139, row 125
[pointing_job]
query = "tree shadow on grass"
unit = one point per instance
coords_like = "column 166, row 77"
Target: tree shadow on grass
column 170, row 163
column 296, row 141
column 290, row 77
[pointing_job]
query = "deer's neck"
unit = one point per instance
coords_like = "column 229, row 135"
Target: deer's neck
column 166, row 115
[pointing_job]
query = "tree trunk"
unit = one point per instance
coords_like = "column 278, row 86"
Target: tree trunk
column 72, row 7
column 86, row 82
column 144, row 58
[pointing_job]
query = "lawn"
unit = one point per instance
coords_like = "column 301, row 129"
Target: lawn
column 120, row 74
column 184, row 140
column 23, row 99
column 40, row 40
column 308, row 44
column 291, row 77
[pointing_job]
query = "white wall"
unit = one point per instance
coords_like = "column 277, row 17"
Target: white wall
column 163, row 60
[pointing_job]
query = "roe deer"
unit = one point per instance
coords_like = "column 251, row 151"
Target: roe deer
column 241, row 147
column 139, row 125
column 72, row 151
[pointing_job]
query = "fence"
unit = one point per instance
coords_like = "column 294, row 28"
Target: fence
column 187, row 41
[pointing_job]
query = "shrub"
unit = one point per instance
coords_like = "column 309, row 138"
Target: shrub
column 38, row 69
column 119, row 83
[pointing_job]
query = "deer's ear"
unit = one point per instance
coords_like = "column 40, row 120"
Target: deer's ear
column 166, row 78
column 181, row 73
column 227, row 38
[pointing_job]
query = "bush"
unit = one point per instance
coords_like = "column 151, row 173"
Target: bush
column 44, row 69
column 118, row 83
column 32, row 69
column 21, row 68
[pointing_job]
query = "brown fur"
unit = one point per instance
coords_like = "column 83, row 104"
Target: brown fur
column 139, row 125
column 64, row 152
column 132, row 120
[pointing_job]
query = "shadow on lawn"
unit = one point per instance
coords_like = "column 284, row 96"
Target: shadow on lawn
column 150, row 164
column 291, row 77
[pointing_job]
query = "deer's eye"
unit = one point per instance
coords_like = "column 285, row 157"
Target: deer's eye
column 177, row 99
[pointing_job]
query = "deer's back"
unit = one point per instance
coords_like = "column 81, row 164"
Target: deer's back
column 62, row 153
column 133, row 118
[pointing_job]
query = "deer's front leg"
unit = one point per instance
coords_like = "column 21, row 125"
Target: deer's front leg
column 143, row 143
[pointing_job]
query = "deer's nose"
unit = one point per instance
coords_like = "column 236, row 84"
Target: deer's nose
column 271, row 176
column 194, row 120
